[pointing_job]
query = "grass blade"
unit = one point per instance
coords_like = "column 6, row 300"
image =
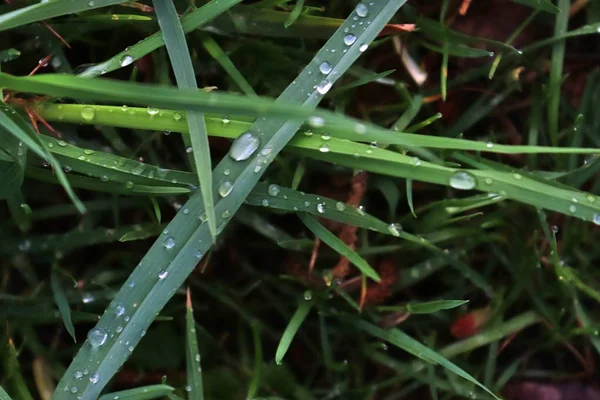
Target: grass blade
column 292, row 328
column 336, row 244
column 186, row 79
column 141, row 393
column 4, row 395
column 192, row 355
column 258, row 362
column 556, row 68
column 61, row 301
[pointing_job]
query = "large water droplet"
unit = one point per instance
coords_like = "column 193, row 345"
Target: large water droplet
column 462, row 180
column 88, row 113
column 321, row 208
column 94, row 378
column 324, row 148
column 162, row 274
column 169, row 243
column 274, row 190
column 362, row 10
column 325, row 68
column 349, row 39
column 225, row 188
column 97, row 337
column 244, row 146
column 395, row 229
column 324, row 86
column 126, row 60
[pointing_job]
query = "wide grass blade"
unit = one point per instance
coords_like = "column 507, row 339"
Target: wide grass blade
column 338, row 245
column 192, row 354
column 176, row 253
column 186, row 79
column 291, row 329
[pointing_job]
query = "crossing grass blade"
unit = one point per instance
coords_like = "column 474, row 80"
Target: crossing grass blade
column 186, row 79
column 192, row 354
column 176, row 253
column 191, row 21
column 48, row 9
column 61, row 301
column 292, row 328
column 141, row 393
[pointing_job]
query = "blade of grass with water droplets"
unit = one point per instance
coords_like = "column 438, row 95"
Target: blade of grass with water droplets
column 192, row 355
column 174, row 256
column 186, row 79
column 292, row 328
column 141, row 393
column 191, row 21
column 336, row 244
column 49, row 9
column 61, row 301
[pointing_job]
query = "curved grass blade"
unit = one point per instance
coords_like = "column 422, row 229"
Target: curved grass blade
column 141, row 393
column 61, row 301
column 189, row 22
column 336, row 244
column 258, row 362
column 291, row 329
column 49, row 9
column 410, row 345
column 186, row 79
column 173, row 257
column 192, row 354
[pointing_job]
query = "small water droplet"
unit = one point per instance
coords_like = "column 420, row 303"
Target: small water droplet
column 340, row 206
column 321, row 208
column 225, row 188
column 363, row 47
column 489, row 145
column 572, row 208
column 274, row 190
column 395, row 229
column 325, row 68
column 488, row 181
column 78, row 374
column 324, row 86
column 266, row 150
column 226, row 214
column 126, row 60
column 307, row 295
column 162, row 274
column 169, row 243
column 97, row 337
column 88, row 113
column 198, row 254
column 177, row 116
column 152, row 111
column 61, row 143
column 227, row 172
column 362, row 10
column 129, row 185
column 265, row 203
column 244, row 146
column 119, row 310
column 518, row 176
column 74, row 389
column 186, row 211
column 308, row 132
column 349, row 39
column 324, row 148
column 189, row 150
column 463, row 181
column 316, row 122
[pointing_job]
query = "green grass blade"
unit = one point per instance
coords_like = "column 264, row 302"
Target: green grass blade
column 410, row 345
column 186, row 79
column 258, row 362
column 542, row 5
column 13, row 376
column 4, row 395
column 425, row 307
column 336, row 244
column 141, row 393
column 49, row 9
column 291, row 329
column 294, row 14
column 190, row 22
column 192, row 355
column 176, row 253
column 61, row 301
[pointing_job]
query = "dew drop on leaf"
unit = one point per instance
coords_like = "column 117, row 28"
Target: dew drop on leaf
column 463, row 181
column 244, row 146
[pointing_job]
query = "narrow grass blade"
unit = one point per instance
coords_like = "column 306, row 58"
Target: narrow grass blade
column 192, row 354
column 174, row 256
column 425, row 307
column 141, row 393
column 17, row 127
column 294, row 14
column 186, row 79
column 292, row 328
column 258, row 362
column 191, row 21
column 336, row 244
column 49, row 9
column 12, row 371
column 61, row 301
column 543, row 5
column 410, row 345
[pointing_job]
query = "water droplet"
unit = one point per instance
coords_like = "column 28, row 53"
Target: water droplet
column 360, row 128
column 361, row 211
column 74, row 389
column 189, row 150
column 274, row 190
column 324, row 86
column 162, row 274
column 88, row 113
column 324, row 148
column 265, row 203
column 177, row 116
column 61, row 143
column 316, row 122
column 152, row 111
column 340, row 206
column 518, row 176
column 227, row 172
column 266, row 150
column 25, row 245
column 572, row 208
column 67, row 168
column 119, row 329
column 325, row 68
column 226, row 214
column 363, row 47
column 590, row 198
column 119, row 310
column 308, row 132
column 349, row 39
column 97, row 337
column 555, row 229
column 78, row 374
column 186, row 211
column 169, row 243
column 91, row 3
column 244, row 146
column 308, row 295
column 362, row 10
column 489, row 145
column 225, row 120
column 126, row 60
column 488, row 181
column 94, row 378
column 198, row 254
column 129, row 185
column 462, row 180
column 395, row 229
column 225, row 188
column 321, row 208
